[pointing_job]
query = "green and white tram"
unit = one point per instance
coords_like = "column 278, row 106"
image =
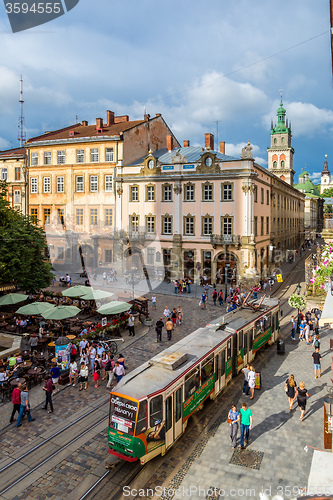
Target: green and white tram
column 150, row 406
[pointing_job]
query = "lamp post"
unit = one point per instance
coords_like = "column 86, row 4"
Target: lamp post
column 298, row 289
column 226, row 267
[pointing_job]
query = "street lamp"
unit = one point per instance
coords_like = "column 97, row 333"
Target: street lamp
column 298, row 289
column 225, row 280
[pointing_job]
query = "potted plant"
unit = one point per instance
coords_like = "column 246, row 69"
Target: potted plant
column 148, row 321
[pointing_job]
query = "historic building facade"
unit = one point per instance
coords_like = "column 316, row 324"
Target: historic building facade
column 71, row 184
column 13, row 171
column 314, row 206
column 194, row 210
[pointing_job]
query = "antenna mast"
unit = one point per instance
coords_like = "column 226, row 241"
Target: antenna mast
column 21, row 136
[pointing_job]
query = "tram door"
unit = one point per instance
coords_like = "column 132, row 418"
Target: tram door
column 248, row 344
column 220, row 371
column 173, row 417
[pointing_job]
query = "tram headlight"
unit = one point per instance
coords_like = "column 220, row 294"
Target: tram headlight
column 128, row 451
column 111, row 443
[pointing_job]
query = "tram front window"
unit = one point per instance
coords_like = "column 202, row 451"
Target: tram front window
column 123, row 414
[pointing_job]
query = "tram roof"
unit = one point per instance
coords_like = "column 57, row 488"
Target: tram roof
column 162, row 370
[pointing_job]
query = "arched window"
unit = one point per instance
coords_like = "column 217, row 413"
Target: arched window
column 282, row 163
column 274, row 164
column 275, row 141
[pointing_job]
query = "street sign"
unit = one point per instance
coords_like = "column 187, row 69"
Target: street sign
column 279, row 278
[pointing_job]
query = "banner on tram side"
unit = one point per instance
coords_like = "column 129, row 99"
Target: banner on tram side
column 198, row 397
column 261, row 339
column 240, row 358
column 228, row 370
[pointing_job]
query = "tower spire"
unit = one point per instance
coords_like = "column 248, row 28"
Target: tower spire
column 21, row 136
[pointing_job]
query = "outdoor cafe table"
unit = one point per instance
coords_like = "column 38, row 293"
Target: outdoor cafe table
column 3, row 323
column 35, row 371
column 75, row 328
column 11, row 328
column 15, row 381
column 25, row 355
column 25, row 365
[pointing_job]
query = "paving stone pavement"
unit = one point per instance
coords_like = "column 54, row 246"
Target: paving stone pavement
column 278, row 433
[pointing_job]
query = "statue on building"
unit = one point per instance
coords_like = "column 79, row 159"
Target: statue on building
column 247, row 152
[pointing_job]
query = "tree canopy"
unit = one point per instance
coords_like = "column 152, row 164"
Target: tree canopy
column 327, row 193
column 22, row 248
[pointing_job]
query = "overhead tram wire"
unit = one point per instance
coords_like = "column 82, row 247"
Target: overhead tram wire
column 225, row 75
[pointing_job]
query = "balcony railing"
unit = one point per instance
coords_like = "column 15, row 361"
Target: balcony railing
column 225, row 239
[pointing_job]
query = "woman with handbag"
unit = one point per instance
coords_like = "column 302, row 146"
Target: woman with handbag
column 233, row 419
column 301, row 395
column 290, row 390
column 97, row 371
column 252, row 381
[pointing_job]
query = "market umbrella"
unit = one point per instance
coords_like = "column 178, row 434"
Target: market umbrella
column 76, row 291
column 35, row 308
column 61, row 312
column 114, row 307
column 71, row 337
column 12, row 298
column 96, row 295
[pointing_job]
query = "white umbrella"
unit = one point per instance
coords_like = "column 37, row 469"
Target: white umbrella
column 114, row 307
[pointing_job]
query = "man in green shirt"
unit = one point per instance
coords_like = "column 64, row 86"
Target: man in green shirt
column 246, row 424
column 12, row 361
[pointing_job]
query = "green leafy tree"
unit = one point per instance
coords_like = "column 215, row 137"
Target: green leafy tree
column 328, row 209
column 22, row 248
column 297, row 301
column 327, row 193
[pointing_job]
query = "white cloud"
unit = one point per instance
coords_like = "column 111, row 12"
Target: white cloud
column 315, row 177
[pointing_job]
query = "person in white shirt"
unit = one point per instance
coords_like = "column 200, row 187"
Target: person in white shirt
column 252, row 380
column 72, row 372
column 83, row 378
column 153, row 301
column 92, row 355
column 119, row 371
column 82, row 345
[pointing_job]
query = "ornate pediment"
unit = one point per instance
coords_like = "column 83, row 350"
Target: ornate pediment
column 178, row 158
column 208, row 164
column 150, row 165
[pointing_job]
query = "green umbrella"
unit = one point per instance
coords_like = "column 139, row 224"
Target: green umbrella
column 35, row 308
column 61, row 312
column 76, row 291
column 96, row 295
column 114, row 307
column 12, row 298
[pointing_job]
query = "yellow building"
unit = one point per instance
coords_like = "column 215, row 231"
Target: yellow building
column 71, row 189
column 13, row 171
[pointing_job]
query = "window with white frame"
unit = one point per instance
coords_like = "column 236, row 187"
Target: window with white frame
column 108, row 154
column 17, row 196
column 47, row 158
column 60, row 185
column 108, row 183
column 150, row 256
column 34, row 158
column 94, row 156
column 80, row 156
column 79, row 216
column 108, row 216
column 134, row 193
column 207, row 226
column 79, row 184
column 93, row 183
column 33, row 185
column 4, row 174
column 189, row 192
column 189, row 226
column 167, row 224
column 61, row 157
column 227, row 192
column 227, row 226
column 93, row 216
column 207, row 192
column 167, row 193
column 47, row 184
column 150, row 193
column 134, row 223
column 150, row 224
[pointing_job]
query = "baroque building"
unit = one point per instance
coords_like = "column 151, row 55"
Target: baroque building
column 13, row 171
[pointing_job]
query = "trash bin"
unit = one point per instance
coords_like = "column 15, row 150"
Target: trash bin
column 280, row 346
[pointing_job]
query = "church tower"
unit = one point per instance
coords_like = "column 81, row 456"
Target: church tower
column 280, row 154
column 325, row 177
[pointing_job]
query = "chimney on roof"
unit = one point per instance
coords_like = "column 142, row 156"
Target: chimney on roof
column 84, row 123
column 121, row 119
column 109, row 118
column 222, row 147
column 209, row 141
column 146, row 117
column 169, row 142
column 99, row 123
column 186, row 144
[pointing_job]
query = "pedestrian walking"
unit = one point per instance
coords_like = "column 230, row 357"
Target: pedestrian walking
column 301, row 395
column 48, row 388
column 131, row 325
column 92, row 356
column 16, row 400
column 104, row 360
column 316, row 342
column 109, row 370
column 293, row 327
column 290, row 390
column 72, row 372
column 203, row 300
column 220, row 298
column 246, row 424
column 175, row 286
column 84, row 358
column 174, row 317
column 153, row 302
column 118, row 371
column 82, row 345
column 252, row 381
column 166, row 312
column 97, row 372
column 246, row 371
column 158, row 328
column 189, row 283
column 121, row 360
column 301, row 330
column 233, row 418
column 83, row 376
column 179, row 315
column 316, row 361
column 214, row 297
column 169, row 328
column 55, row 374
column 24, row 406
column 307, row 333
column 206, row 288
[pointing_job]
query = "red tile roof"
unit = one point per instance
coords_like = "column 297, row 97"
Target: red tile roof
column 13, row 153
column 87, row 131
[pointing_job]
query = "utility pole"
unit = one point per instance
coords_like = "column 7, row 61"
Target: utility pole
column 21, row 136
column 331, row 24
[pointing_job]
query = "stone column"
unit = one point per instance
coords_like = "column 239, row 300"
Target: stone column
column 95, row 251
column 177, row 257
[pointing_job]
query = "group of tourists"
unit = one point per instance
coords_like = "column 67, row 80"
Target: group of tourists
column 169, row 320
column 182, row 286
column 109, row 277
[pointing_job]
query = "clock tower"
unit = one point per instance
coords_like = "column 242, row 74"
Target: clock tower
column 281, row 153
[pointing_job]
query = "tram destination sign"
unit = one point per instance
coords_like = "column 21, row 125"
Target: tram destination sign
column 198, row 397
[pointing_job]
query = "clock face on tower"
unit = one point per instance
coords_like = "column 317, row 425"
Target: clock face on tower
column 208, row 161
column 151, row 164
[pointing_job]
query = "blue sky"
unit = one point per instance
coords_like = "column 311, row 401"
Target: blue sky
column 195, row 62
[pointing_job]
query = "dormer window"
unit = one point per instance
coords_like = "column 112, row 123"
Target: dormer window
column 151, row 164
column 208, row 161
